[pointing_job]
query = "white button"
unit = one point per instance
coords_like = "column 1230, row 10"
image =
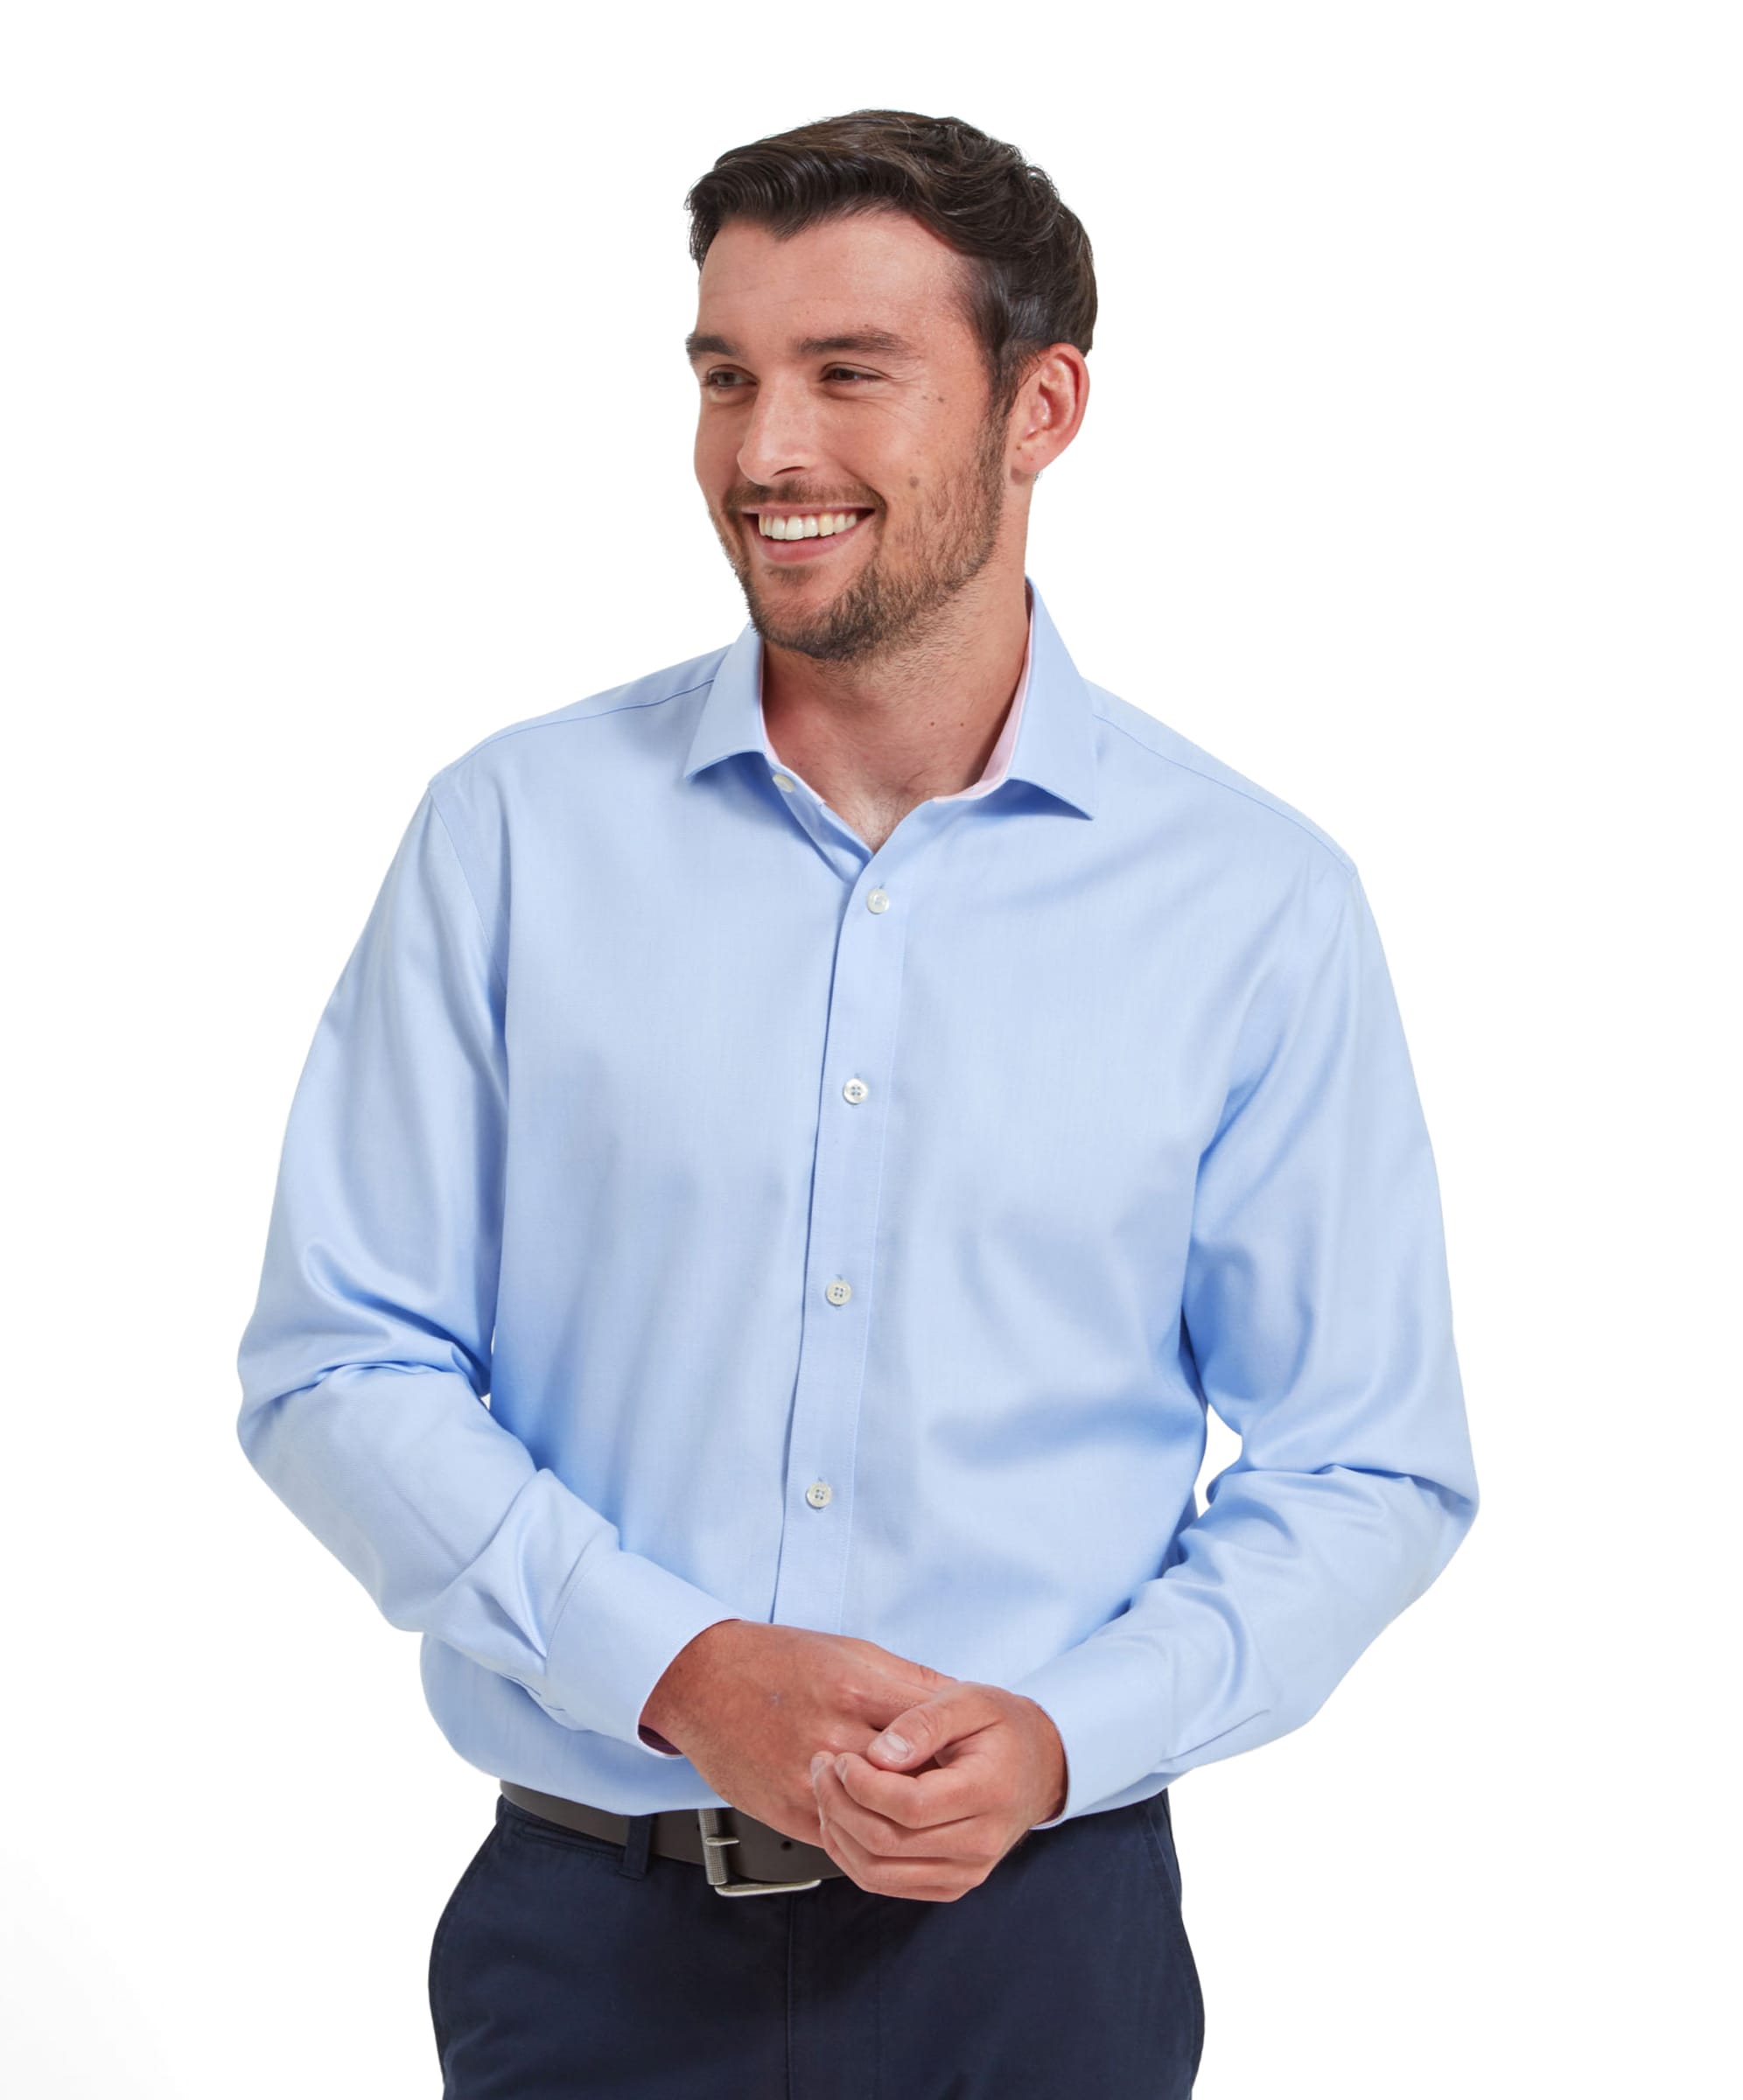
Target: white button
column 838, row 1292
column 856, row 1091
column 786, row 782
column 818, row 1494
column 878, row 901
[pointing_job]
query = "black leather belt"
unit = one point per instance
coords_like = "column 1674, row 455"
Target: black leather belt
column 743, row 1856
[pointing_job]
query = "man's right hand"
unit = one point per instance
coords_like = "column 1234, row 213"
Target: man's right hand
column 750, row 1705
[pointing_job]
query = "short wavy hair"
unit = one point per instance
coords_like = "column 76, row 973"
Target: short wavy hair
column 1030, row 280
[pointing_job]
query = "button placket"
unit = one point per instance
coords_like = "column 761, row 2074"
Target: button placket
column 826, row 832
column 859, row 1044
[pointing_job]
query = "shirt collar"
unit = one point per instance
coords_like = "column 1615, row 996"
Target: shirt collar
column 1054, row 738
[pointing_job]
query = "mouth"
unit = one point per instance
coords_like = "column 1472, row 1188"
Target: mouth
column 824, row 532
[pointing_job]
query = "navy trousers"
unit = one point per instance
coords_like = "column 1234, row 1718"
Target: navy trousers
column 564, row 1965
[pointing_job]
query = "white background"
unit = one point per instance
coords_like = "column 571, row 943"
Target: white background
column 346, row 420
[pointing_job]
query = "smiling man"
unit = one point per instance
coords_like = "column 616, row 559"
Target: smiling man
column 801, row 1142
column 890, row 602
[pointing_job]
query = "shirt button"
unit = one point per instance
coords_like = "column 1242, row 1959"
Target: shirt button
column 855, row 1090
column 838, row 1292
column 818, row 1494
column 878, row 901
column 786, row 782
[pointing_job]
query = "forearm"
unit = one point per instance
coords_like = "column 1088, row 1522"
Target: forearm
column 1277, row 1589
column 442, row 1516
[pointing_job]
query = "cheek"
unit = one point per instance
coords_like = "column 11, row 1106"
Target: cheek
column 713, row 455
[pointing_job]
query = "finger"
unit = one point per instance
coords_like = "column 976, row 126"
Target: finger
column 884, row 1839
column 838, row 1811
column 922, row 1879
column 922, row 1801
column 922, row 1730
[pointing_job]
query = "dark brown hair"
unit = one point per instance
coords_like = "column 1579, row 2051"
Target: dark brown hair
column 1030, row 276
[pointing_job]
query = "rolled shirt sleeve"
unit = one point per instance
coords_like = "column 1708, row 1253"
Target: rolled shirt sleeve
column 366, row 1361
column 1316, row 1322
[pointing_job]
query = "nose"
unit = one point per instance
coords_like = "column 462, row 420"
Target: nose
column 781, row 436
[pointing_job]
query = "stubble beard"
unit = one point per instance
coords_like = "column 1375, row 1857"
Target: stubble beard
column 881, row 608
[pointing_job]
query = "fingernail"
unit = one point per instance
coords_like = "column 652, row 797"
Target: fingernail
column 841, row 1766
column 819, row 1762
column 891, row 1745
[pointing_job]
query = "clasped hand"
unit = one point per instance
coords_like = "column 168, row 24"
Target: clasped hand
column 750, row 1703
column 942, row 1794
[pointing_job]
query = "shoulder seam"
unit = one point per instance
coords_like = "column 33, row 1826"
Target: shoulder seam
column 1167, row 758
column 478, row 913
column 563, row 719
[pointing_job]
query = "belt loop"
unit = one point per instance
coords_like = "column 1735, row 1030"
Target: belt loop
column 638, row 1836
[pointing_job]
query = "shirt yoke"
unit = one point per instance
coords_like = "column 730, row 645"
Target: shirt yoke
column 1144, row 730
column 1168, row 745
column 672, row 681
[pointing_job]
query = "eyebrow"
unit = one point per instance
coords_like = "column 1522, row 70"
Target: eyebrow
column 863, row 342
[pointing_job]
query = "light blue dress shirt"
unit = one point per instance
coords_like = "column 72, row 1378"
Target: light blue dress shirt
column 855, row 1239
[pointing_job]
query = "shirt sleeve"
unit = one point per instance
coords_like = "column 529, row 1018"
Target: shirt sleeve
column 366, row 1362
column 1316, row 1320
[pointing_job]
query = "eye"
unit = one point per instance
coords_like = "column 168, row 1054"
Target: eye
column 711, row 382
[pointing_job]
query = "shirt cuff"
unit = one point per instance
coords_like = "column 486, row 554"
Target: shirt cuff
column 618, row 1626
column 1101, row 1697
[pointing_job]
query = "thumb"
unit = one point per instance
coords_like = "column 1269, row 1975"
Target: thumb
column 918, row 1731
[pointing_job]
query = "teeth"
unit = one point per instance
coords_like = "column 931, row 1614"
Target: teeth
column 818, row 525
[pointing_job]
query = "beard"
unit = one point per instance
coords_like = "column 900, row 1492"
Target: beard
column 885, row 606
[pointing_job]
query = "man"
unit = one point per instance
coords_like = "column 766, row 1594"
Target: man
column 852, row 1101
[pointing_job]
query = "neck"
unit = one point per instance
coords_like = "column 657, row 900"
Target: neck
column 918, row 719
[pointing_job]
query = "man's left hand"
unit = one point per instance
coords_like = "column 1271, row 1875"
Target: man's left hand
column 933, row 1835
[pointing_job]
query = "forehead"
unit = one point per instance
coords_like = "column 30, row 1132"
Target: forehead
column 870, row 271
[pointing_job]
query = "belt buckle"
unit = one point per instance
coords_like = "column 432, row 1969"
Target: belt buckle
column 714, row 1842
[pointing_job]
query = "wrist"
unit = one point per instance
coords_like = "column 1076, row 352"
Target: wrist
column 664, row 1715
column 1057, row 1784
